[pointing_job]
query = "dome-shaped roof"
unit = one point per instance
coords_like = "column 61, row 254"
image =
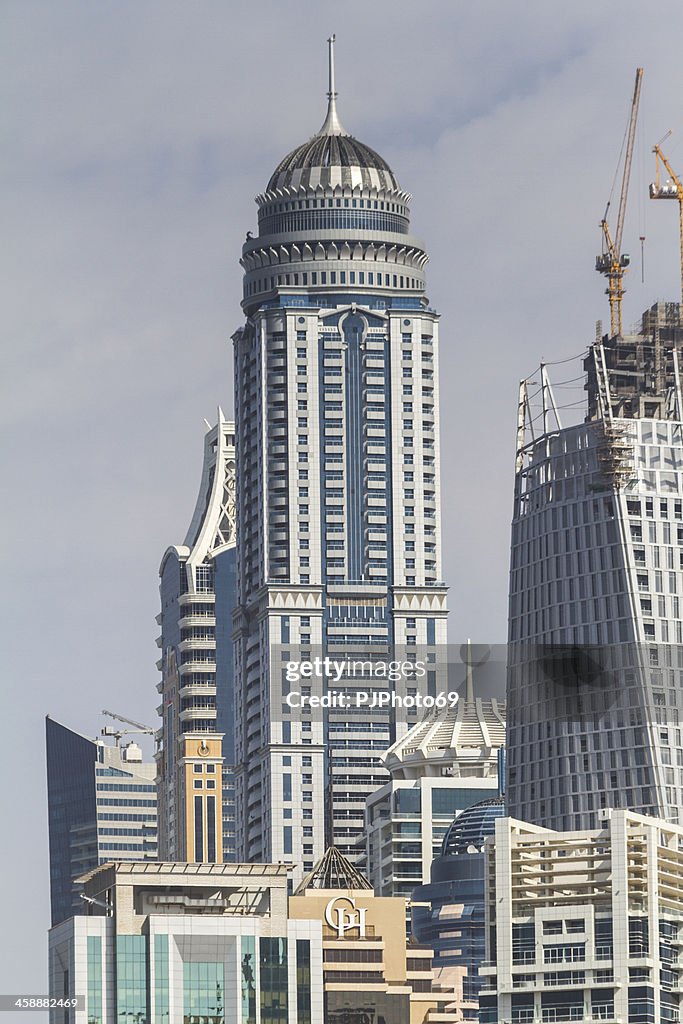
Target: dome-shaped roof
column 333, row 157
column 471, row 828
column 330, row 159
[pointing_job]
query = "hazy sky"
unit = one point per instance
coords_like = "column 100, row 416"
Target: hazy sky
column 136, row 135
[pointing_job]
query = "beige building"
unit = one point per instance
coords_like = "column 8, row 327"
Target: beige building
column 371, row 974
column 585, row 925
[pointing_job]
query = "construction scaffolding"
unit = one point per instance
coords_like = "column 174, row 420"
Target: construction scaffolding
column 616, row 454
column 636, row 376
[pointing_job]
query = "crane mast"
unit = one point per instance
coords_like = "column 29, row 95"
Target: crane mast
column 671, row 189
column 612, row 263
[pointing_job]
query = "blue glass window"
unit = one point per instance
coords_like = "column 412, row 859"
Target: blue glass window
column 203, row 991
column 131, row 978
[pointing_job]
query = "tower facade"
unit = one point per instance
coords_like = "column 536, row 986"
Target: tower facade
column 195, row 756
column 339, row 548
column 596, row 583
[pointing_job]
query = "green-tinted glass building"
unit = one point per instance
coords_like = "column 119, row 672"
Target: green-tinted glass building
column 194, row 943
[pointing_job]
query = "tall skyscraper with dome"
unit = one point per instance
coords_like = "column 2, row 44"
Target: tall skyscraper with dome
column 339, row 546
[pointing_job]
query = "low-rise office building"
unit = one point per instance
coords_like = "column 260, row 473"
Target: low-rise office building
column 164, row 943
column 371, row 973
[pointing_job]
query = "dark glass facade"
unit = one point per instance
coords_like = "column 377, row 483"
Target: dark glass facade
column 225, row 578
column 94, row 991
column 131, row 979
column 72, row 815
column 204, row 987
column 367, row 1008
column 303, row 981
column 457, row 878
column 274, row 983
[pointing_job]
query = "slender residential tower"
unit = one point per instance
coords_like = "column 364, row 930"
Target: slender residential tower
column 195, row 756
column 596, row 583
column 339, row 549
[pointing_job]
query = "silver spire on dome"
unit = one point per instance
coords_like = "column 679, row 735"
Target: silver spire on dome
column 331, row 125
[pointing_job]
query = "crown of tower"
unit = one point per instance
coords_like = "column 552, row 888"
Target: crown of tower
column 333, row 157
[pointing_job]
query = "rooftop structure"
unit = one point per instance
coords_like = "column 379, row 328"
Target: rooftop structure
column 334, row 871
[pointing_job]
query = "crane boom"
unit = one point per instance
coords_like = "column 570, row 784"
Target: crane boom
column 129, row 721
column 628, row 159
column 612, row 262
column 671, row 189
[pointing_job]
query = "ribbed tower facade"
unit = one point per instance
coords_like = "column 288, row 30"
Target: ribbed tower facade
column 595, row 699
column 198, row 590
column 339, row 548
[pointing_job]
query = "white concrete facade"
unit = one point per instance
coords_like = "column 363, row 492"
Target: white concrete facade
column 583, row 925
column 596, row 574
column 441, row 766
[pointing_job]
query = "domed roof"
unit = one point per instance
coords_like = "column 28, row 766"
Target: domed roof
column 471, row 828
column 333, row 157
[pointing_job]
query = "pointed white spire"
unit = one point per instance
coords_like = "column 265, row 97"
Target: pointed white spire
column 332, row 125
column 469, row 677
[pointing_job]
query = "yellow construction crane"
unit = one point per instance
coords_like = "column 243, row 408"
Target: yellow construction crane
column 671, row 189
column 612, row 262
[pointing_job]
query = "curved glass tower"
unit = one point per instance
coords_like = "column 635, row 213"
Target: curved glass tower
column 339, row 550
column 448, row 913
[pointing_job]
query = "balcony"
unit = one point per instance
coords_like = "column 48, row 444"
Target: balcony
column 205, row 598
column 198, row 665
column 207, row 619
column 197, row 690
column 197, row 644
column 193, row 714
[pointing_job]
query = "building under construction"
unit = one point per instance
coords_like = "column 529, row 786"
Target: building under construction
column 638, row 375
